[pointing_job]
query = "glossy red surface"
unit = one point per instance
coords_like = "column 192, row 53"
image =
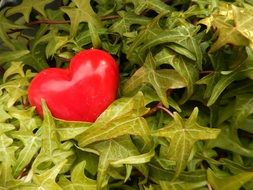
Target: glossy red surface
column 82, row 91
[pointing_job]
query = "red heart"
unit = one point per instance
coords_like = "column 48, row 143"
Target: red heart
column 82, row 91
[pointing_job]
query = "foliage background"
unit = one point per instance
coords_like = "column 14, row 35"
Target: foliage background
column 183, row 118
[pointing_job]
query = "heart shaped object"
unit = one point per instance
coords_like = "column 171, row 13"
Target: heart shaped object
column 82, row 91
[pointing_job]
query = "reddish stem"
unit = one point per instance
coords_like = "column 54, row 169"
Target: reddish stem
column 49, row 22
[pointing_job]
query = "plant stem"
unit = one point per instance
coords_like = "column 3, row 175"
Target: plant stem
column 109, row 17
column 157, row 107
column 49, row 22
column 165, row 109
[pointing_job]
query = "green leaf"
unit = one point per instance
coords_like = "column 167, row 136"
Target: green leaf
column 36, row 58
column 52, row 151
column 142, row 5
column 123, row 117
column 69, row 130
column 243, row 108
column 151, row 29
column 225, row 81
column 55, row 44
column 31, row 146
column 3, row 115
column 161, row 80
column 47, row 179
column 9, row 56
column 16, row 68
column 78, row 179
column 220, row 86
column 31, row 143
column 83, row 12
column 96, row 42
column 229, row 33
column 123, row 25
column 117, row 152
column 210, row 81
column 182, row 134
column 52, row 43
column 7, row 154
column 201, row 8
column 179, row 185
column 228, row 182
column 243, row 20
column 228, row 140
column 160, row 174
column 183, row 36
column 5, row 26
column 183, row 66
column 26, row 7
column 17, row 81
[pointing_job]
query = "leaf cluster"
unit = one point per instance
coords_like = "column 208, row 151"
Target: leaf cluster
column 183, row 117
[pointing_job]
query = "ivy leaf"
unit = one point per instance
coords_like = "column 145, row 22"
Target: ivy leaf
column 227, row 33
column 142, row 5
column 228, row 182
column 9, row 56
column 182, row 134
column 31, row 144
column 52, row 151
column 117, row 151
column 69, row 130
column 46, row 180
column 56, row 43
column 83, row 12
column 225, row 81
column 16, row 68
column 36, row 58
column 123, row 117
column 184, row 36
column 160, row 79
column 26, row 7
column 210, row 81
column 78, row 179
column 201, row 8
column 3, row 115
column 123, row 25
column 18, row 79
column 183, row 66
column 243, row 22
column 7, row 154
column 217, row 82
column 228, row 140
column 179, row 185
column 5, row 26
column 242, row 109
column 160, row 174
column 221, row 85
column 151, row 29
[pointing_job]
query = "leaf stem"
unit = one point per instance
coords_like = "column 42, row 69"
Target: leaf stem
column 165, row 109
column 209, row 186
column 167, row 1
column 109, row 17
column 49, row 22
column 157, row 107
column 206, row 72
